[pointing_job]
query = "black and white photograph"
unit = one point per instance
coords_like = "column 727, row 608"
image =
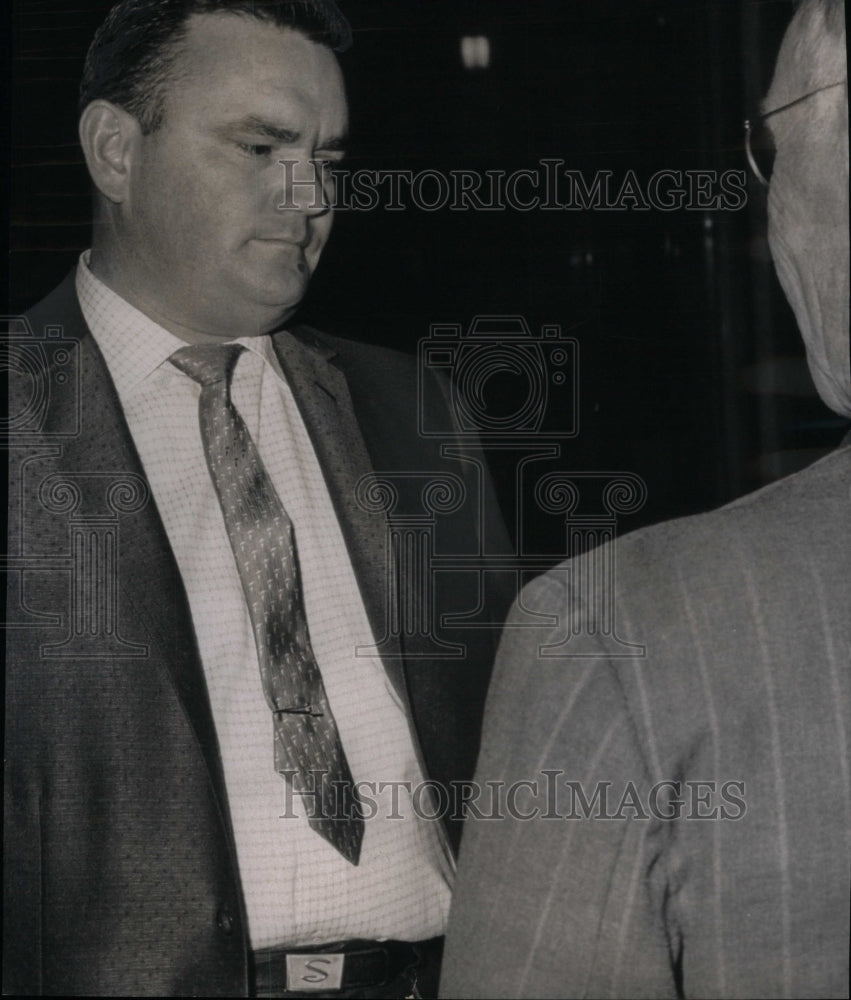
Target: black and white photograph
column 428, row 455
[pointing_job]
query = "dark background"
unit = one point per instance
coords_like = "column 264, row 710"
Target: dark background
column 691, row 369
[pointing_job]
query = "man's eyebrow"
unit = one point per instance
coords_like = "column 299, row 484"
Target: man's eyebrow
column 278, row 133
column 258, row 126
column 338, row 143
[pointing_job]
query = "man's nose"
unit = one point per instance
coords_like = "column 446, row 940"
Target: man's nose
column 306, row 186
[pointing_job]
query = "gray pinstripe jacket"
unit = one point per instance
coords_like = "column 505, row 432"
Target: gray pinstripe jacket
column 745, row 616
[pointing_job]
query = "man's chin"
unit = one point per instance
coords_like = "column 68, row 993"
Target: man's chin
column 247, row 316
column 278, row 297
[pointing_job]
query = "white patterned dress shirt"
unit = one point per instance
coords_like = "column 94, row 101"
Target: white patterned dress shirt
column 298, row 889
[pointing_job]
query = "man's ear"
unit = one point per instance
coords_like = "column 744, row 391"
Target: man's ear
column 109, row 135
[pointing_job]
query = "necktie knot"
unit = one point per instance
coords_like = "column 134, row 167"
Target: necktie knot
column 207, row 363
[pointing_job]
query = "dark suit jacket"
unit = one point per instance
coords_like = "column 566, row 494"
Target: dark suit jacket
column 745, row 616
column 121, row 874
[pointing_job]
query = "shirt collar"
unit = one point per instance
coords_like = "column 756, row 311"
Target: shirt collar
column 133, row 345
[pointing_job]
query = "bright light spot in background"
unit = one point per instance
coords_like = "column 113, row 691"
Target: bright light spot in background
column 475, row 52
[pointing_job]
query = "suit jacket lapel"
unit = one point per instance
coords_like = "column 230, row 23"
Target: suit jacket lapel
column 150, row 588
column 323, row 399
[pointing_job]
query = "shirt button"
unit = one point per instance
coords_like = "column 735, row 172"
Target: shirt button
column 224, row 920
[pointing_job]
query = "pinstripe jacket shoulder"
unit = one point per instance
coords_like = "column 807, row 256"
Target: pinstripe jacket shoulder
column 689, row 809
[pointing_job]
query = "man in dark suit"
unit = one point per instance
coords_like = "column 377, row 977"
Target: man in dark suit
column 681, row 819
column 231, row 719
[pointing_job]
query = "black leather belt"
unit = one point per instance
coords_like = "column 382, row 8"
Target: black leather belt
column 340, row 966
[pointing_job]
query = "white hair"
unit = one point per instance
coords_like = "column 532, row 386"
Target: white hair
column 817, row 36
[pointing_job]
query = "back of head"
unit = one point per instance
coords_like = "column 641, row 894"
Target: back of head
column 815, row 41
column 134, row 50
column 808, row 197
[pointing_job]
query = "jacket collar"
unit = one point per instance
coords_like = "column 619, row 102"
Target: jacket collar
column 323, row 399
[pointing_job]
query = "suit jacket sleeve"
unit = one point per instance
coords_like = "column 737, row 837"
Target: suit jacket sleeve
column 557, row 904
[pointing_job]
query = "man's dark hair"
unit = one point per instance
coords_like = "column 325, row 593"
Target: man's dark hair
column 133, row 52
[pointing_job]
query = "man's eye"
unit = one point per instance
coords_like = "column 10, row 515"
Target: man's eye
column 251, row 149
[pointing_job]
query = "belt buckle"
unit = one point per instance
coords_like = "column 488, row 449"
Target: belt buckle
column 316, row 971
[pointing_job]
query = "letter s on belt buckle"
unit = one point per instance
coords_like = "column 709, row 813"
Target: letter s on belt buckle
column 315, row 972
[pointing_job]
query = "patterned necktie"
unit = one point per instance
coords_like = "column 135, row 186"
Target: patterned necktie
column 307, row 745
